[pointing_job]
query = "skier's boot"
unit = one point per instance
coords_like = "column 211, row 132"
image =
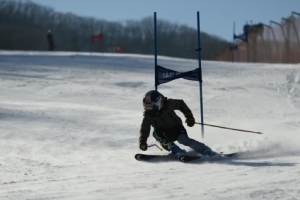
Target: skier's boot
column 176, row 150
column 208, row 152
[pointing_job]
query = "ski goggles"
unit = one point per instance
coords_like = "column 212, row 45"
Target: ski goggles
column 152, row 105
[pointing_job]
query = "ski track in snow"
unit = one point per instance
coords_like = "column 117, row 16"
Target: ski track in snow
column 69, row 128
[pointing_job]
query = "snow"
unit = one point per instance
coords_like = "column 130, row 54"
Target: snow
column 69, row 128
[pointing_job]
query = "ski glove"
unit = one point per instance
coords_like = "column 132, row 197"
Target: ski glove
column 190, row 120
column 143, row 143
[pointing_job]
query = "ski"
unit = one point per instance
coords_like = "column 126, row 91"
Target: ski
column 228, row 154
column 188, row 158
column 181, row 158
column 147, row 157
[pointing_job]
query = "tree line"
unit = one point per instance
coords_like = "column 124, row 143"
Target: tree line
column 24, row 25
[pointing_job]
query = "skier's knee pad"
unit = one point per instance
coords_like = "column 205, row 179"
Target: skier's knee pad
column 163, row 141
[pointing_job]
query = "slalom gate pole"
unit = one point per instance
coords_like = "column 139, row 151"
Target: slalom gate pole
column 200, row 74
column 155, row 51
column 234, row 129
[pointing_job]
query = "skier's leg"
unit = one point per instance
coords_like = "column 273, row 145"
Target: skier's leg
column 195, row 145
column 166, row 143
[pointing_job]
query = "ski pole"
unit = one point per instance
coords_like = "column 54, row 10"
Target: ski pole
column 155, row 145
column 234, row 129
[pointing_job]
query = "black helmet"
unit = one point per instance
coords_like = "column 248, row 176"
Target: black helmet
column 153, row 101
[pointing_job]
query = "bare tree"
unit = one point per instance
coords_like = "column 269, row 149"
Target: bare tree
column 24, row 25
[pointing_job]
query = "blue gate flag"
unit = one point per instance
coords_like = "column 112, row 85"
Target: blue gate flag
column 166, row 75
column 243, row 37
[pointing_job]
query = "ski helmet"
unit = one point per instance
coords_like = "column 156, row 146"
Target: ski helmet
column 153, row 100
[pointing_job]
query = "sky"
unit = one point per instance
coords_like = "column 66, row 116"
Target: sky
column 217, row 16
column 69, row 129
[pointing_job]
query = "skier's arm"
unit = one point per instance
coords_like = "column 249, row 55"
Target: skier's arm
column 179, row 104
column 144, row 132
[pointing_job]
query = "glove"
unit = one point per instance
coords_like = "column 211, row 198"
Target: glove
column 143, row 143
column 190, row 120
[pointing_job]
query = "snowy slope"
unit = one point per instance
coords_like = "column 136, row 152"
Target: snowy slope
column 69, row 128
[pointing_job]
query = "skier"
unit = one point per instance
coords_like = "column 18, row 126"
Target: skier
column 50, row 40
column 168, row 128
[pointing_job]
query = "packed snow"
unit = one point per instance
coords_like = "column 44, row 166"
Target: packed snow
column 69, row 128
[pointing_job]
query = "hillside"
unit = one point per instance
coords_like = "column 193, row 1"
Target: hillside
column 69, row 128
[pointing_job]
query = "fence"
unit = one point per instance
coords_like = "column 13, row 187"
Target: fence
column 273, row 43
